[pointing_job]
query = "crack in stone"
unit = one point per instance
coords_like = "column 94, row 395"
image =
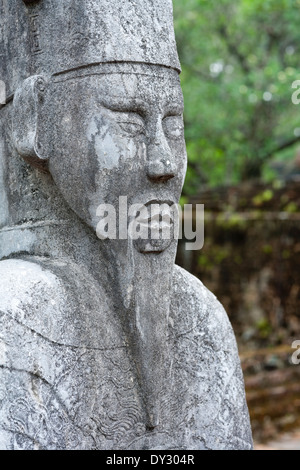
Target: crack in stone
column 112, row 348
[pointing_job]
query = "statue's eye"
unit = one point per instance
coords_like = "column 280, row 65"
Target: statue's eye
column 132, row 125
column 173, row 127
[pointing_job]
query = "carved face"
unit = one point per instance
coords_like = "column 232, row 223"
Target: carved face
column 117, row 134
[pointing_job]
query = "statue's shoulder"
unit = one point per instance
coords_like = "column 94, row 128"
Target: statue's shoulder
column 185, row 282
column 26, row 282
column 193, row 302
column 207, row 351
column 30, row 295
column 57, row 299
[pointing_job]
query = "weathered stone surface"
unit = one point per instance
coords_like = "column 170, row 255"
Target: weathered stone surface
column 61, row 35
column 104, row 344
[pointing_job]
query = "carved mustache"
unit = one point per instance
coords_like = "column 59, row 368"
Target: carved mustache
column 156, row 214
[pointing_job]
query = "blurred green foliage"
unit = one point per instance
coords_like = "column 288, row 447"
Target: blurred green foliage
column 239, row 60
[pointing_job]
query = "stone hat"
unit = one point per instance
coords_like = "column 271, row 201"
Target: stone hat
column 52, row 36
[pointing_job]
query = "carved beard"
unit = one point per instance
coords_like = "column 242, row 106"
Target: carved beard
column 145, row 282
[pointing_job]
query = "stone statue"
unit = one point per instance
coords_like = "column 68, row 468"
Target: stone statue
column 104, row 343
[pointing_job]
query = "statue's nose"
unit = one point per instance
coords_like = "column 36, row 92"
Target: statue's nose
column 161, row 165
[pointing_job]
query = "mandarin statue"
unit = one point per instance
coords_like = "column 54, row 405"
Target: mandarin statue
column 104, row 342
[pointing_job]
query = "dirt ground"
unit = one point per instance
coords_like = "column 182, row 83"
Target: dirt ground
column 287, row 441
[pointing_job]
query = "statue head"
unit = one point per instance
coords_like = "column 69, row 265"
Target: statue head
column 105, row 132
column 102, row 108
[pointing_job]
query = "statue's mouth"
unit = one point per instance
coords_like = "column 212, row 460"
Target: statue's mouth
column 157, row 215
column 156, row 221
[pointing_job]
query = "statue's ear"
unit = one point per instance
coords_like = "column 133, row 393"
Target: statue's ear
column 27, row 106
